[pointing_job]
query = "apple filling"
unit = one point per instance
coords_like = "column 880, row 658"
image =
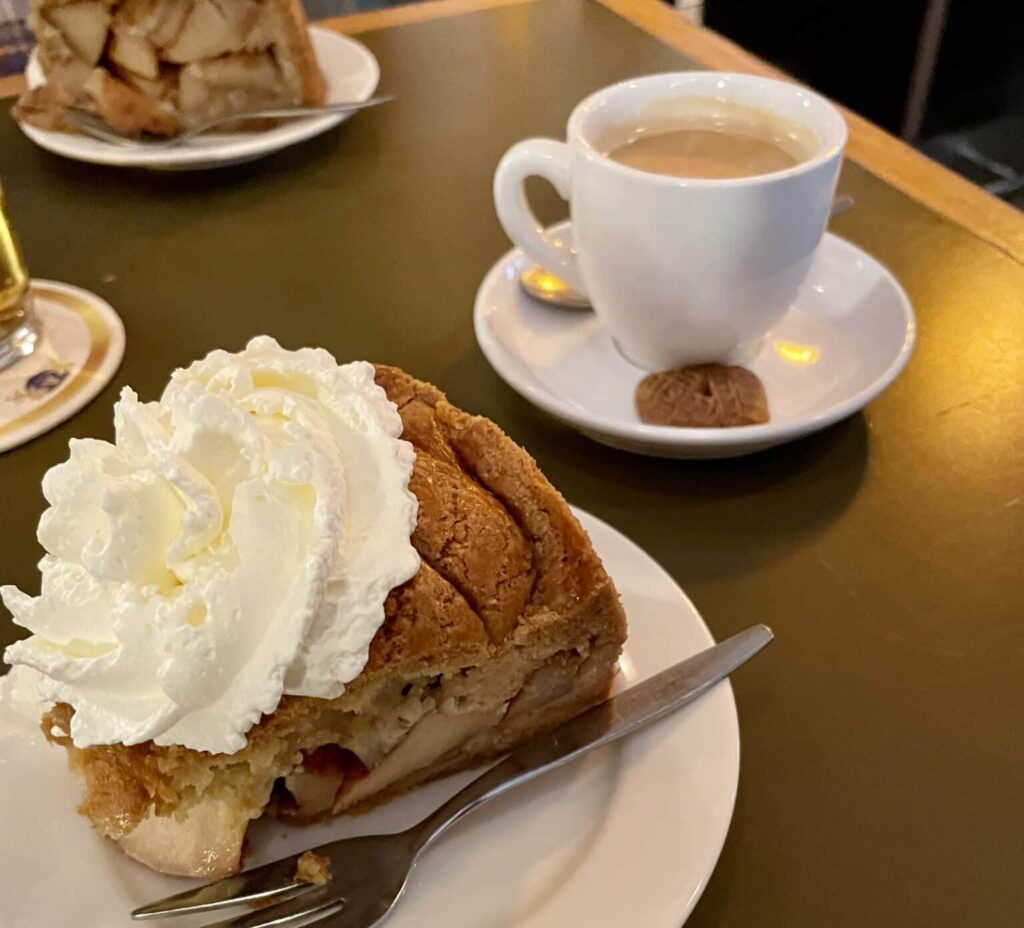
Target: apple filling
column 330, row 779
column 346, row 760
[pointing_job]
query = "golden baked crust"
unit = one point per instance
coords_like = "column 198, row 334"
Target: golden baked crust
column 509, row 585
column 294, row 53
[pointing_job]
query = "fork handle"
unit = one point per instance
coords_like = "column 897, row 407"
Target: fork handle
column 292, row 112
column 616, row 717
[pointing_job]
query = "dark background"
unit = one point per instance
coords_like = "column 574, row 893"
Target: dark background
column 862, row 54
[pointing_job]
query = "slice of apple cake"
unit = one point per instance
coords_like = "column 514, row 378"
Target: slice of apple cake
column 509, row 626
column 159, row 66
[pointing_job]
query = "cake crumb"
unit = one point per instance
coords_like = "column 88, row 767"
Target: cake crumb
column 313, row 868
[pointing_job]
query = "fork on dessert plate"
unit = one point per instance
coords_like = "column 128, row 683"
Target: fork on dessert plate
column 356, row 882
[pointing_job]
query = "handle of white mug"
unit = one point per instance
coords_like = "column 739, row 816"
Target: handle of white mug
column 535, row 158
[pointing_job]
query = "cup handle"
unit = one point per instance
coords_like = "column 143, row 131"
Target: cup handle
column 541, row 158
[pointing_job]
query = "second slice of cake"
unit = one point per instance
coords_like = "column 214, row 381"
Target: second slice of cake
column 159, row 66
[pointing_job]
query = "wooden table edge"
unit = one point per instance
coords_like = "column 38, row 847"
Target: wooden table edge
column 869, row 146
column 11, row 85
column 353, row 23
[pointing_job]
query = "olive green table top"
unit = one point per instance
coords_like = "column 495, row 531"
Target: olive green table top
column 882, row 733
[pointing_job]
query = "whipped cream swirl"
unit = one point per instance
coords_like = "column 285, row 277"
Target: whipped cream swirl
column 235, row 543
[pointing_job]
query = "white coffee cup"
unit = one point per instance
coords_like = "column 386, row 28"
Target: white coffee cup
column 680, row 270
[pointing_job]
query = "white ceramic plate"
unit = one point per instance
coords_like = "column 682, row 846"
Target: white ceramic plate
column 846, row 338
column 626, row 836
column 351, row 73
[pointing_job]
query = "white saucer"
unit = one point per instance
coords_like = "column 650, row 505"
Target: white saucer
column 626, row 836
column 79, row 348
column 845, row 339
column 348, row 66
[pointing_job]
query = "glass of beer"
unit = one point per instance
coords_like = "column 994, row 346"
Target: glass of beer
column 18, row 326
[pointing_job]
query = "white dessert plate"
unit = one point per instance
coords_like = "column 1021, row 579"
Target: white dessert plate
column 847, row 336
column 626, row 836
column 349, row 68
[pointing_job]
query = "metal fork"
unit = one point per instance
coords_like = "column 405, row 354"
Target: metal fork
column 370, row 873
column 89, row 123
